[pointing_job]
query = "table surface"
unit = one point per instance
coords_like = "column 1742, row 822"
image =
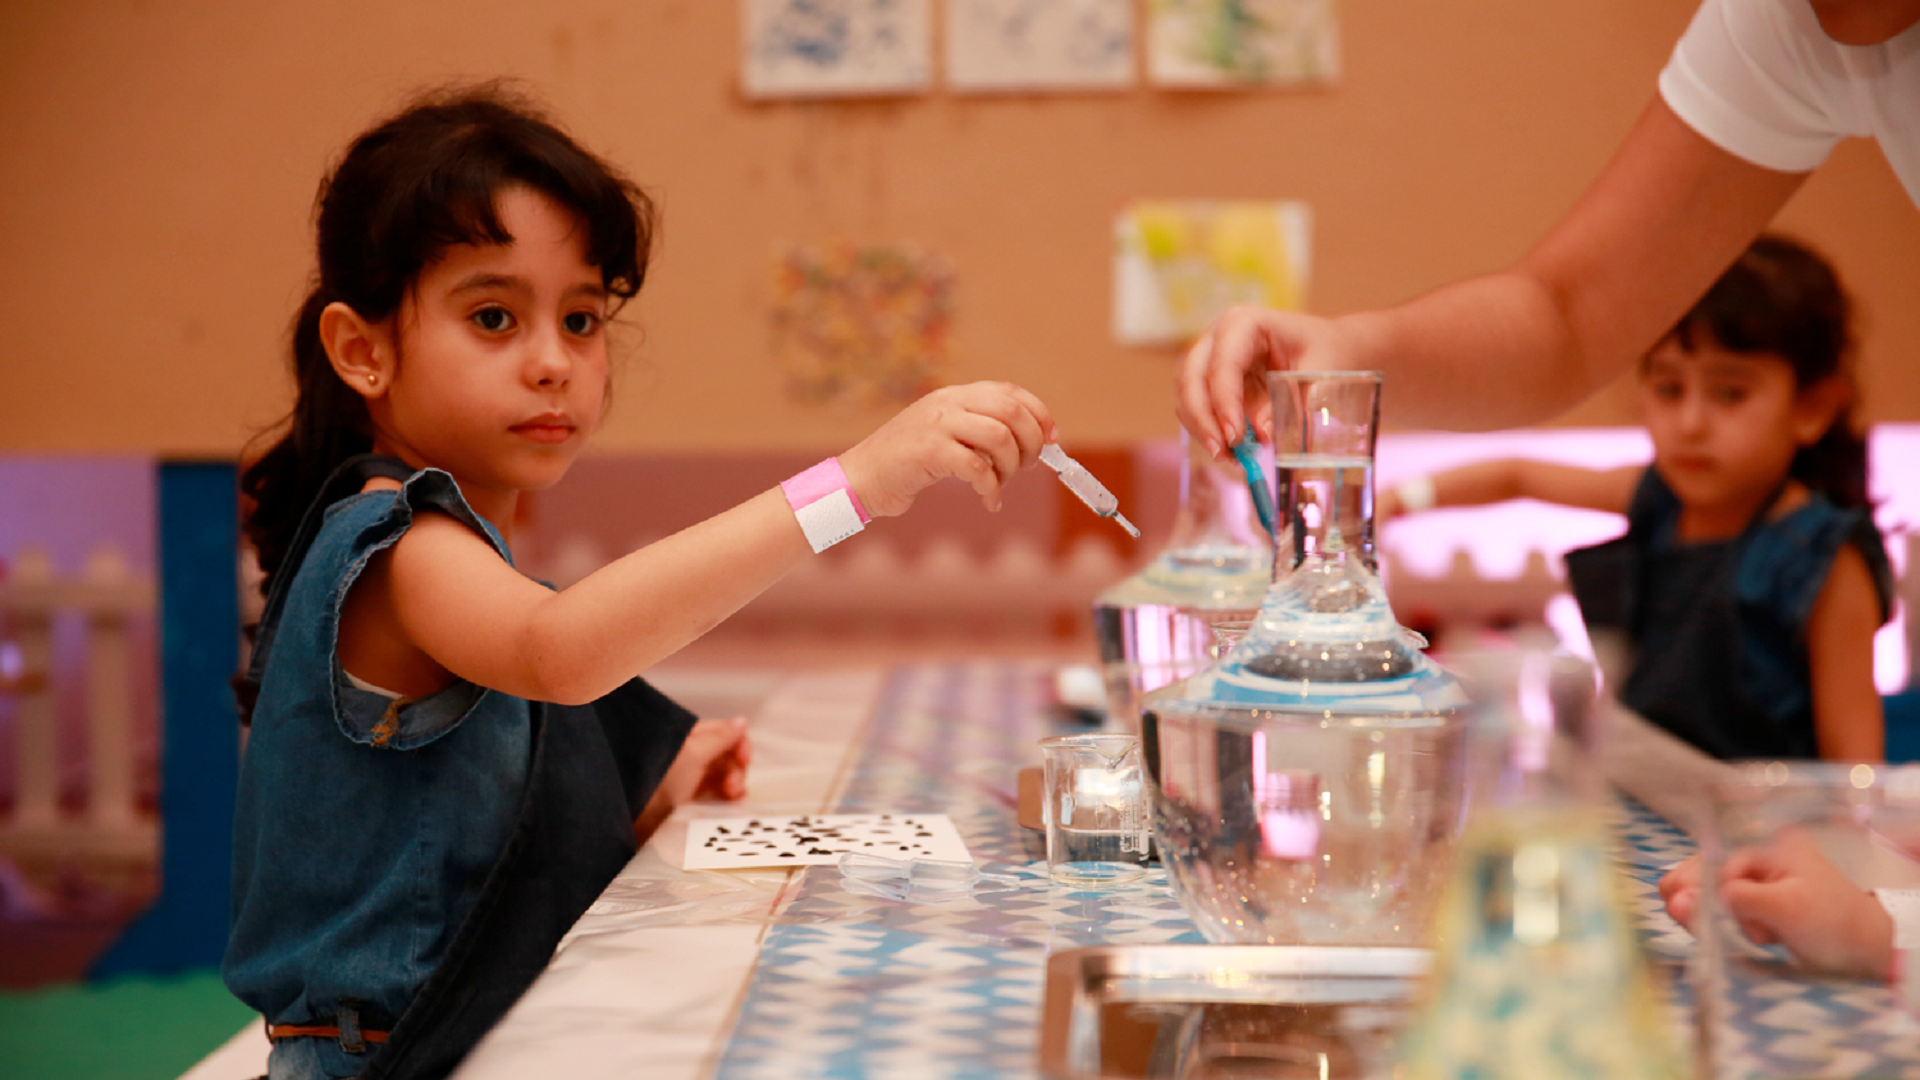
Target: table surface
column 738, row 975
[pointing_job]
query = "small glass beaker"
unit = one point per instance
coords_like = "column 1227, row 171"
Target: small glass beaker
column 1095, row 809
column 1795, row 941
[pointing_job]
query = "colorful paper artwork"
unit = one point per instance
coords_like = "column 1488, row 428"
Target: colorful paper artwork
column 801, row 48
column 1039, row 44
column 1224, row 43
column 862, row 325
column 1179, row 264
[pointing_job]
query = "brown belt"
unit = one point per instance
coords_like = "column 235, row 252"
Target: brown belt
column 277, row 1032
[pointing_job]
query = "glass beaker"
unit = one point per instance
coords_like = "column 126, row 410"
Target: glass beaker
column 1803, row 989
column 1537, row 970
column 1155, row 627
column 1095, row 809
column 1308, row 786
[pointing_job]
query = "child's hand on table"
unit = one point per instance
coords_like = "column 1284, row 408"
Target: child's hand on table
column 712, row 764
column 1786, row 892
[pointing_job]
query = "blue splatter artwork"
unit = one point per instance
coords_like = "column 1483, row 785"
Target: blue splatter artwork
column 1039, row 44
column 796, row 48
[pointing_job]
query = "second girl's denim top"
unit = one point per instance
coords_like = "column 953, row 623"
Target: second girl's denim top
column 1782, row 567
column 365, row 825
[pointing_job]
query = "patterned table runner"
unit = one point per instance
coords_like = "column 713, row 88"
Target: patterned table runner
column 848, row 985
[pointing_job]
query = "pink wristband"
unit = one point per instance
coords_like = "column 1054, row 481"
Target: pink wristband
column 825, row 504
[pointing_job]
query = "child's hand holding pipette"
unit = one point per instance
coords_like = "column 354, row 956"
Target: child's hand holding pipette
column 982, row 433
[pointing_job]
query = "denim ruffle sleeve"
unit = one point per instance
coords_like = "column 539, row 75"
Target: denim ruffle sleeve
column 1786, row 565
column 372, row 718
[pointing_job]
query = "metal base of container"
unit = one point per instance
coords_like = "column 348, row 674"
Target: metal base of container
column 1217, row 1011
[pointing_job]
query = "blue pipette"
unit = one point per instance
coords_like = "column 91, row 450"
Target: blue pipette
column 1245, row 451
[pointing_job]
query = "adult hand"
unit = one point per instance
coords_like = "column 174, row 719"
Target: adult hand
column 1222, row 382
column 982, row 433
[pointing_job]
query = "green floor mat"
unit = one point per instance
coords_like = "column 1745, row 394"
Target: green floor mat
column 135, row 1028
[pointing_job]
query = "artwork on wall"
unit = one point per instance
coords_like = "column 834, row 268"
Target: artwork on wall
column 1178, row 264
column 805, row 48
column 1226, row 43
column 1039, row 44
column 861, row 325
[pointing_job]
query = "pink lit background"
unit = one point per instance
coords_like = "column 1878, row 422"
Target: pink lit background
column 1498, row 538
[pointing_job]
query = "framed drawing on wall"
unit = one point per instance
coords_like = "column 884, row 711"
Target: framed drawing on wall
column 821, row 48
column 1234, row 43
column 1015, row 45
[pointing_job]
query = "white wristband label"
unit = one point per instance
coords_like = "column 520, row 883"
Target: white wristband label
column 829, row 519
column 1903, row 907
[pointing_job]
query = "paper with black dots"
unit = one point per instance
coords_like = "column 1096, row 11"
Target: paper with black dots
column 819, row 839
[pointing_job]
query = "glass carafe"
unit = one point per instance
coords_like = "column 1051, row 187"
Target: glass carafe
column 1309, row 785
column 1156, row 627
column 1537, row 971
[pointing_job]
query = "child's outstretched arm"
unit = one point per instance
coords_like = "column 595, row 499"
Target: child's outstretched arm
column 464, row 612
column 1512, row 478
column 1848, row 722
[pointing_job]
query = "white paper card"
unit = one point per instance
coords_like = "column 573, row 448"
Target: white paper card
column 819, row 839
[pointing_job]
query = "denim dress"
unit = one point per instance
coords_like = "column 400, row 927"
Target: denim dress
column 407, row 865
column 1716, row 631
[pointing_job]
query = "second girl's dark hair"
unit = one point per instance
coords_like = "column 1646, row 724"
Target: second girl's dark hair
column 1781, row 298
column 406, row 190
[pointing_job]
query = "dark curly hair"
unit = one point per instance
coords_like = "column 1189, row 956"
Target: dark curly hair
column 1781, row 298
column 406, row 190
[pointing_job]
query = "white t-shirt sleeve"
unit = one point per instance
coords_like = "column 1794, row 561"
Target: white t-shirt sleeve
column 1759, row 79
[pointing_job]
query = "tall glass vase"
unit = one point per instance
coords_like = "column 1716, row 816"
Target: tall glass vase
column 1537, row 971
column 1309, row 785
column 1157, row 626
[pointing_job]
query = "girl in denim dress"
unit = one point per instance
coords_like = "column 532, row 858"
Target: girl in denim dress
column 447, row 759
column 1751, row 578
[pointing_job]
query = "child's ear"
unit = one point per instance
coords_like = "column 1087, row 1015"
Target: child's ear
column 360, row 351
column 1816, row 407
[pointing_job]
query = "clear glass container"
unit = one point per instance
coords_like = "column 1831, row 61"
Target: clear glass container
column 1156, row 627
column 1309, row 786
column 1537, row 971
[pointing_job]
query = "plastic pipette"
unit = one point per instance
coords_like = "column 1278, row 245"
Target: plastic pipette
column 1081, row 483
column 1244, row 451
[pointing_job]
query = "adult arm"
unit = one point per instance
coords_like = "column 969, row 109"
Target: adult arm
column 1668, row 214
column 1848, row 723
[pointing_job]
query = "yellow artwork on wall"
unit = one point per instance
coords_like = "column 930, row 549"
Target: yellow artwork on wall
column 1177, row 264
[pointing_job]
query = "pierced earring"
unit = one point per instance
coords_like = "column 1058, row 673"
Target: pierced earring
column 372, row 379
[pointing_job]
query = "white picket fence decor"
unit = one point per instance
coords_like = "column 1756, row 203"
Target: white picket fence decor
column 948, row 589
column 108, row 595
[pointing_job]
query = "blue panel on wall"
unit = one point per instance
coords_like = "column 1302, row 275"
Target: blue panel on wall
column 186, row 928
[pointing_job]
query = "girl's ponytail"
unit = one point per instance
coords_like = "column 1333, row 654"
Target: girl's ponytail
column 328, row 424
